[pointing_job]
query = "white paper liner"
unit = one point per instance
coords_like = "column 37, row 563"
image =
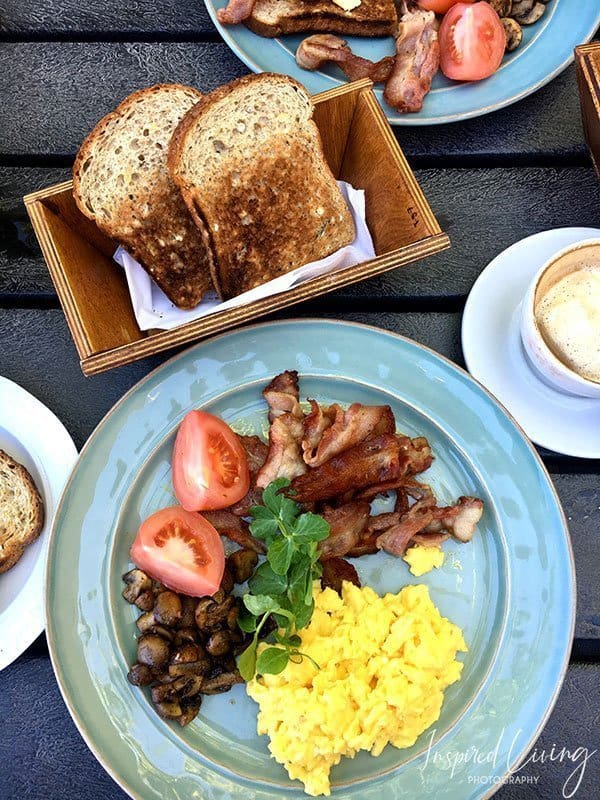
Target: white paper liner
column 153, row 309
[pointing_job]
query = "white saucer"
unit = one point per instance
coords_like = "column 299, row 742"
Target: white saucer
column 35, row 437
column 494, row 354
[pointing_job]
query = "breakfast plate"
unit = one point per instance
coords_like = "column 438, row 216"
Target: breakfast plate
column 32, row 435
column 511, row 589
column 546, row 50
column 494, row 353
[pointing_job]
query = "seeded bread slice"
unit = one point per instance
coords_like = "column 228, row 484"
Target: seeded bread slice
column 278, row 17
column 121, row 181
column 249, row 161
column 21, row 511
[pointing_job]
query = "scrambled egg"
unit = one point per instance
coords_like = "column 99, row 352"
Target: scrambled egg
column 384, row 664
column 423, row 559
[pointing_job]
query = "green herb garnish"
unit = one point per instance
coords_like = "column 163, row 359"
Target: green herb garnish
column 282, row 585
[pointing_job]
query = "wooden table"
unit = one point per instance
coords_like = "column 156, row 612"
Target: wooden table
column 491, row 181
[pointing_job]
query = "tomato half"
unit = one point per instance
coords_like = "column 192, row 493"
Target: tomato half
column 472, row 42
column 440, row 6
column 210, row 467
column 181, row 550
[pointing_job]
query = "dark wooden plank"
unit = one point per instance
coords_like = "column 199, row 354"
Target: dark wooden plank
column 43, row 755
column 37, row 352
column 98, row 17
column 85, row 80
column 483, row 210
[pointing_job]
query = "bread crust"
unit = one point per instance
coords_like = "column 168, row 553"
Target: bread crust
column 180, row 268
column 14, row 542
column 323, row 23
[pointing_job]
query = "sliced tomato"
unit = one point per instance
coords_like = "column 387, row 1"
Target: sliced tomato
column 439, row 6
column 210, row 467
column 472, row 42
column 182, row 550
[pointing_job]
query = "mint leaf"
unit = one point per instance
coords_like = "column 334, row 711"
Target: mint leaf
column 258, row 604
column 311, row 528
column 272, row 661
column 265, row 581
column 280, row 555
column 246, row 662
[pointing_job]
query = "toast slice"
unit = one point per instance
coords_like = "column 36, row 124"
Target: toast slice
column 21, row 511
column 249, row 161
column 278, row 17
column 121, row 181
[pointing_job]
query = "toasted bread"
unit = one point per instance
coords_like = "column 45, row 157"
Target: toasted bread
column 278, row 17
column 249, row 161
column 21, row 511
column 121, row 181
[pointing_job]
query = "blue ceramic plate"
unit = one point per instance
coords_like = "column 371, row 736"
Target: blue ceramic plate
column 511, row 589
column 546, row 49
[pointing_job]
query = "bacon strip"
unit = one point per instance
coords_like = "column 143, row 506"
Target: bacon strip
column 416, row 63
column 284, row 459
column 342, row 429
column 256, row 452
column 369, row 462
column 347, row 523
column 336, row 571
column 322, row 48
column 227, row 524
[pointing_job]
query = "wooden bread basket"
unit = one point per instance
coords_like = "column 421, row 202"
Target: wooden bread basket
column 360, row 148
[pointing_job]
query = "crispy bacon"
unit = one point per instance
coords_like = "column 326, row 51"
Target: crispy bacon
column 235, row 12
column 337, row 570
column 322, row 48
column 416, row 63
column 342, row 429
column 347, row 523
column 418, row 452
column 256, row 452
column 395, row 540
column 373, row 461
column 227, row 524
column 460, row 520
column 426, row 524
column 284, row 459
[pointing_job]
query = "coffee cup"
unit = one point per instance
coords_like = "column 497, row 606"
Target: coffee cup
column 560, row 320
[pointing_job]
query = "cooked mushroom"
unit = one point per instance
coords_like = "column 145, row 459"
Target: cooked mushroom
column 221, row 683
column 219, row 644
column 153, row 651
column 188, row 607
column 145, row 601
column 502, row 7
column 140, row 675
column 146, row 622
column 186, row 654
column 514, row 33
column 232, row 618
column 190, row 712
column 227, row 580
column 184, row 635
column 169, row 709
column 532, row 16
column 242, row 563
column 212, row 612
column 168, row 608
column 137, row 582
column 200, row 667
column 158, row 587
